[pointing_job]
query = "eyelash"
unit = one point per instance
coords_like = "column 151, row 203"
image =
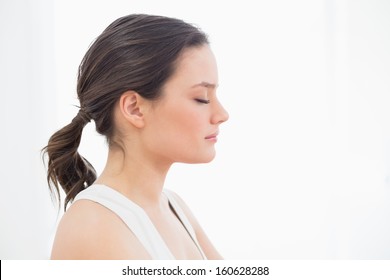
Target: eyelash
column 204, row 101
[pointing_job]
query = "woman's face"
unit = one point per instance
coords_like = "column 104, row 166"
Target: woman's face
column 183, row 125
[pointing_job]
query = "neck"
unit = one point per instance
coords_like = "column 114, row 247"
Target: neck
column 136, row 176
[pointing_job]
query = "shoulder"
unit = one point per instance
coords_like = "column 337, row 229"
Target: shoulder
column 178, row 199
column 186, row 209
column 88, row 230
column 203, row 240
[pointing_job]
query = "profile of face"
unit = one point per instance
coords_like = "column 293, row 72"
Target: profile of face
column 183, row 125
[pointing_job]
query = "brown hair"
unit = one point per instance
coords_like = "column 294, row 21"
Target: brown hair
column 136, row 52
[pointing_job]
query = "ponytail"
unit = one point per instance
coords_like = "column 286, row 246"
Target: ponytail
column 66, row 167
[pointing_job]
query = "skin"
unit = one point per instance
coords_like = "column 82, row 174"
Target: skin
column 150, row 137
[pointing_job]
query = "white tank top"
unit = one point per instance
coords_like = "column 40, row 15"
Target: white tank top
column 137, row 220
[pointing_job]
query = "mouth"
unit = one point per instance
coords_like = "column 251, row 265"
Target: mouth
column 212, row 137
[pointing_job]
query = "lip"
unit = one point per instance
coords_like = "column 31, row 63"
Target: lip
column 212, row 136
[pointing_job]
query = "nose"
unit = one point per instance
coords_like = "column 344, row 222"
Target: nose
column 220, row 115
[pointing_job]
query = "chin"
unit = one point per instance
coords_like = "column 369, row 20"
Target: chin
column 200, row 159
column 210, row 159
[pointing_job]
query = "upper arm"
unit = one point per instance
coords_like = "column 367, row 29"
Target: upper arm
column 207, row 247
column 90, row 231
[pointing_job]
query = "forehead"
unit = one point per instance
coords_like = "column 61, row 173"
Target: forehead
column 195, row 65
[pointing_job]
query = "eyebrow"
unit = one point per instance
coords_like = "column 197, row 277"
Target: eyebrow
column 206, row 85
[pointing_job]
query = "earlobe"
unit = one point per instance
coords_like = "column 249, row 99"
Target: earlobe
column 131, row 108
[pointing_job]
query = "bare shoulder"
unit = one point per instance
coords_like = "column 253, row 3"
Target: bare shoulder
column 88, row 230
column 182, row 204
column 207, row 247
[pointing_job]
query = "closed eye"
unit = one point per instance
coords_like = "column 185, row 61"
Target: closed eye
column 204, row 101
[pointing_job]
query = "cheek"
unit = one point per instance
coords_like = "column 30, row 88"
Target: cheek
column 185, row 122
column 180, row 127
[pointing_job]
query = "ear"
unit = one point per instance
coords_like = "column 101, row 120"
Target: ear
column 131, row 106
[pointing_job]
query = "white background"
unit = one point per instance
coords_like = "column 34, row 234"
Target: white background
column 303, row 165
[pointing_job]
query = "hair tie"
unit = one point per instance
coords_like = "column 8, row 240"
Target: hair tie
column 84, row 115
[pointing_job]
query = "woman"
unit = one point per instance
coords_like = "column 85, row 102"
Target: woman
column 149, row 84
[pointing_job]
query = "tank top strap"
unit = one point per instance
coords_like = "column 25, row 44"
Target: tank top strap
column 132, row 215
